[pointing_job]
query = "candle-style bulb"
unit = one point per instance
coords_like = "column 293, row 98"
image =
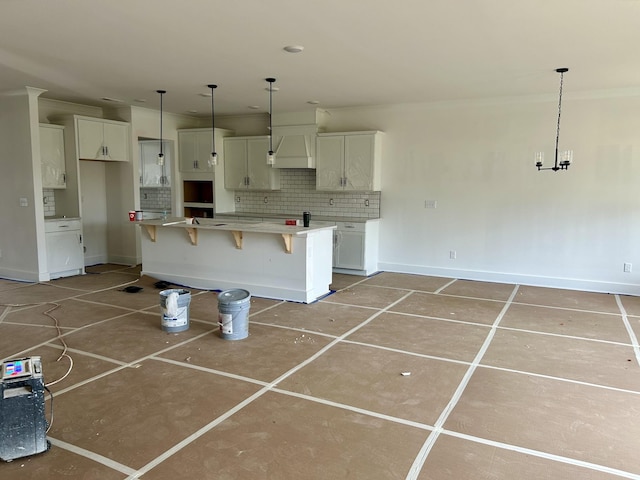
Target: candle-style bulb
column 213, row 159
column 271, row 158
column 160, row 159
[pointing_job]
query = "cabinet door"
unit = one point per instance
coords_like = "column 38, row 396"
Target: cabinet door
column 204, row 147
column 116, row 141
column 90, row 139
column 358, row 162
column 187, row 150
column 261, row 176
column 64, row 251
column 151, row 174
column 52, row 157
column 329, row 162
column 195, row 148
column 235, row 163
column 349, row 250
column 99, row 140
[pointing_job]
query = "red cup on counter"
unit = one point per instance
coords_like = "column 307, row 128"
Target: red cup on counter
column 132, row 215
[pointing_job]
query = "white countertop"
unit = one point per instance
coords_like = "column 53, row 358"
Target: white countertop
column 320, row 218
column 240, row 225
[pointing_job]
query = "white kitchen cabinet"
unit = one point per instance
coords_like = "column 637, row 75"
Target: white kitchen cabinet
column 105, row 140
column 246, row 164
column 194, row 147
column 65, row 253
column 54, row 174
column 355, row 247
column 152, row 174
column 348, row 161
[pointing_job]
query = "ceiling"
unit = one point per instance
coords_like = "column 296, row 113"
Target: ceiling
column 356, row 52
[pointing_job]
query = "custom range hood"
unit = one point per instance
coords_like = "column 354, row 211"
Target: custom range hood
column 294, row 138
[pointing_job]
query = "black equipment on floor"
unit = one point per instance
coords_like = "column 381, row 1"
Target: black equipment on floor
column 23, row 425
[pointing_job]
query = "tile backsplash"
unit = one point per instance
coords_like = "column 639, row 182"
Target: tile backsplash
column 49, row 200
column 155, row 198
column 298, row 193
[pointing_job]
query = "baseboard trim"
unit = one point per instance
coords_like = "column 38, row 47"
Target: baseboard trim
column 520, row 279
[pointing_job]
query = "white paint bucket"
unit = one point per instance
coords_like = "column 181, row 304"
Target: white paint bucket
column 175, row 318
column 233, row 314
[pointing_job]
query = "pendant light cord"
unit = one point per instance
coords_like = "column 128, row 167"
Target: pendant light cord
column 213, row 121
column 271, row 80
column 161, row 92
column 561, row 72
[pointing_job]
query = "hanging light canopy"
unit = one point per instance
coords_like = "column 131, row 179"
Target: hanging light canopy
column 213, row 158
column 161, row 154
column 271, row 159
column 562, row 159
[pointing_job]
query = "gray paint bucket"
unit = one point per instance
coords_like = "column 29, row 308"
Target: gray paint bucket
column 233, row 314
column 178, row 320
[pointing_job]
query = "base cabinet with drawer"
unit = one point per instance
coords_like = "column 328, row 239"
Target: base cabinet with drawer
column 355, row 247
column 65, row 252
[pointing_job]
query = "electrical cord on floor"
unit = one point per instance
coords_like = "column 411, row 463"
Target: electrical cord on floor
column 59, row 337
column 57, row 326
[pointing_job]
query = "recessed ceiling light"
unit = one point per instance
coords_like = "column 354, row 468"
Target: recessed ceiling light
column 273, row 89
column 192, row 111
column 313, row 102
column 205, row 94
column 293, row 48
column 110, row 99
column 254, row 107
column 140, row 100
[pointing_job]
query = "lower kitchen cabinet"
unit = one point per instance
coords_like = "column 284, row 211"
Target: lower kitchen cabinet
column 355, row 247
column 65, row 253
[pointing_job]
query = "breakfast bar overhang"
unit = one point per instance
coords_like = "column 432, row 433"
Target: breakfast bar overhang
column 284, row 262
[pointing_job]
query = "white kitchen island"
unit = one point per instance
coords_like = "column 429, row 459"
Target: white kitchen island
column 271, row 260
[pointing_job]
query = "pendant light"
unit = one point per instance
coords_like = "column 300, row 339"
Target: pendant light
column 213, row 158
column 161, row 154
column 564, row 158
column 271, row 159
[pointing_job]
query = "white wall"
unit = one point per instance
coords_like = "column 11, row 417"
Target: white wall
column 22, row 252
column 505, row 220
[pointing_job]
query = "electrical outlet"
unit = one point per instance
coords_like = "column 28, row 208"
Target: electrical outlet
column 24, row 202
column 627, row 268
column 430, row 204
column 452, row 254
column 238, row 199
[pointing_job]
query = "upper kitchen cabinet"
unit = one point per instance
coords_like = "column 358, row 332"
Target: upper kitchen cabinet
column 54, row 174
column 105, row 140
column 194, row 147
column 348, row 161
column 152, row 174
column 246, row 164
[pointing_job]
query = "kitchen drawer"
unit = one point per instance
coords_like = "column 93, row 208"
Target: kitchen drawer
column 61, row 225
column 352, row 226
